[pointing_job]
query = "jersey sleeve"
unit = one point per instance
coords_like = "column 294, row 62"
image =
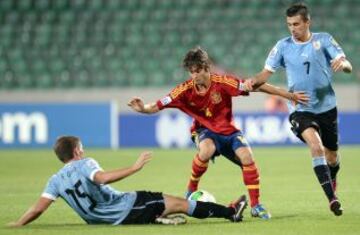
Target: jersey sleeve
column 90, row 168
column 332, row 48
column 165, row 102
column 234, row 86
column 275, row 58
column 51, row 191
column 173, row 100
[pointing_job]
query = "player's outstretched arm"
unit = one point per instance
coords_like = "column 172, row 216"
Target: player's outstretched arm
column 296, row 97
column 255, row 82
column 33, row 213
column 106, row 177
column 341, row 64
column 138, row 105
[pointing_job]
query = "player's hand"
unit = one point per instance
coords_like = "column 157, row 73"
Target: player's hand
column 136, row 104
column 248, row 85
column 144, row 158
column 300, row 97
column 338, row 64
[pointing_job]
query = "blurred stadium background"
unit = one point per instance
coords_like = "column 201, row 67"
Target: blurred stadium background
column 71, row 51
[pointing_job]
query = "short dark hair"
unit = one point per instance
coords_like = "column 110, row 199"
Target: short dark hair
column 64, row 147
column 196, row 57
column 298, row 9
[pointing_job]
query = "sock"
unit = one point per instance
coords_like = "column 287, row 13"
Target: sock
column 334, row 168
column 199, row 167
column 323, row 174
column 202, row 210
column 252, row 181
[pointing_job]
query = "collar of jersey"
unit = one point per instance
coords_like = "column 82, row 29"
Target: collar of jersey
column 302, row 43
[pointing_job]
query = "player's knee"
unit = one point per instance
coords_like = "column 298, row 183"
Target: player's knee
column 206, row 152
column 317, row 149
column 205, row 156
column 332, row 157
column 175, row 204
column 180, row 205
column 245, row 156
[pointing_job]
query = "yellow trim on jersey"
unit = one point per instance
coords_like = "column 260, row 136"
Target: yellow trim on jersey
column 226, row 80
column 181, row 88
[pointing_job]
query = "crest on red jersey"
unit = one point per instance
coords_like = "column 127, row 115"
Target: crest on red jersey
column 215, row 97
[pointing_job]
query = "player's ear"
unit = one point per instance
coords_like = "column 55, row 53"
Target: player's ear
column 77, row 151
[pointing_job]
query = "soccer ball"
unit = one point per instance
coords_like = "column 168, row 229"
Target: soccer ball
column 203, row 196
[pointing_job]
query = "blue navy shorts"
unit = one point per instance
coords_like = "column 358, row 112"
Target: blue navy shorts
column 225, row 144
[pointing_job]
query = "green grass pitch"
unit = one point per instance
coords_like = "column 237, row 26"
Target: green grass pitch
column 289, row 190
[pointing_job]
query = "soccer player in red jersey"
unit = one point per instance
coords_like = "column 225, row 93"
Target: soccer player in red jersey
column 207, row 97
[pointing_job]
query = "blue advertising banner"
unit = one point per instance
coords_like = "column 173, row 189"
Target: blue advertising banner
column 38, row 125
column 171, row 129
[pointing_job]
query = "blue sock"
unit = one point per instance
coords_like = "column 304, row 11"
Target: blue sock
column 323, row 174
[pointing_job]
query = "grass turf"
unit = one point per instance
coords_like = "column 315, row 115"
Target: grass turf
column 289, row 190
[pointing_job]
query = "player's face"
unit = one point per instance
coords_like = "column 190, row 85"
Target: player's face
column 298, row 27
column 199, row 75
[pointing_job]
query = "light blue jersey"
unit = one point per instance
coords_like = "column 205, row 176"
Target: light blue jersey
column 308, row 68
column 94, row 203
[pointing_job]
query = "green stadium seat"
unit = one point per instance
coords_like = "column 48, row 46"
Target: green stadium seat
column 137, row 79
column 25, row 81
column 77, row 4
column 41, row 5
column 117, row 78
column 25, row 5
column 44, row 81
column 100, row 79
column 56, row 66
column 11, row 17
column 81, row 78
column 157, row 79
column 94, row 5
column 63, row 80
column 60, row 5
column 7, row 5
column 7, row 80
column 165, row 4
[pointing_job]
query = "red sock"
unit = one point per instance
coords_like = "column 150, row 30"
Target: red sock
column 252, row 182
column 198, row 169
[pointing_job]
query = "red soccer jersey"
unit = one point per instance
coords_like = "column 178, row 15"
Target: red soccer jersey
column 212, row 110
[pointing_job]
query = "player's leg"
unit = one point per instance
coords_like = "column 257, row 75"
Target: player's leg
column 306, row 127
column 251, row 178
column 240, row 153
column 200, row 162
column 333, row 161
column 202, row 210
column 329, row 128
column 321, row 168
column 322, row 171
